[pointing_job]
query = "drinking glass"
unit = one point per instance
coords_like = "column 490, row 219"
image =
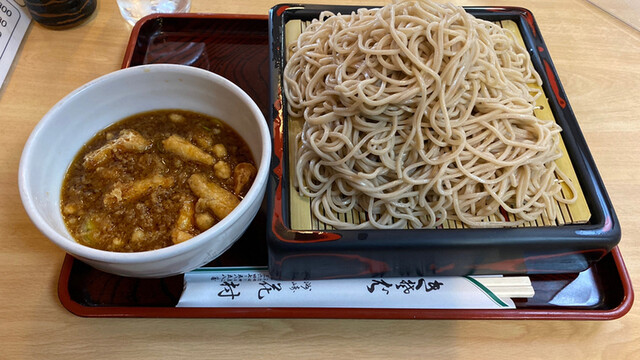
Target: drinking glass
column 133, row 10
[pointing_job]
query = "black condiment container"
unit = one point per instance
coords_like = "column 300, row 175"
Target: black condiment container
column 60, row 14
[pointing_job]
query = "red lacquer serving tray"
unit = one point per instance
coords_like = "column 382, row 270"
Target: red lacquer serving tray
column 237, row 47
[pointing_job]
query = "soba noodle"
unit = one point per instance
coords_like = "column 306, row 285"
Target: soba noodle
column 416, row 113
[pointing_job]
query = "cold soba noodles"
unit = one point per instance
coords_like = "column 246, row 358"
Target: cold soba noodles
column 417, row 113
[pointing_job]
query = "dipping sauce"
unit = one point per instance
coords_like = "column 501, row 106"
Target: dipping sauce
column 155, row 179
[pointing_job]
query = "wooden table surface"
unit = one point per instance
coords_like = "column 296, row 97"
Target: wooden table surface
column 597, row 58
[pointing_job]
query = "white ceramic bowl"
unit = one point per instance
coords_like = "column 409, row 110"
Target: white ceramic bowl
column 74, row 120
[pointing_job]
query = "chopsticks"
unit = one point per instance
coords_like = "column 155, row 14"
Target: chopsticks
column 506, row 286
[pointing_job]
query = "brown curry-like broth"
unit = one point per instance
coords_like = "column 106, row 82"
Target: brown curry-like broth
column 155, row 179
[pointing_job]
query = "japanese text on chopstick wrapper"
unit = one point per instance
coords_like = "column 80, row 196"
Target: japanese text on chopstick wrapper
column 252, row 287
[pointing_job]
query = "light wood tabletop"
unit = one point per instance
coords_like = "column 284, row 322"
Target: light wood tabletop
column 597, row 59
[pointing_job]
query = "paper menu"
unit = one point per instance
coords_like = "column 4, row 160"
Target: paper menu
column 252, row 287
column 14, row 22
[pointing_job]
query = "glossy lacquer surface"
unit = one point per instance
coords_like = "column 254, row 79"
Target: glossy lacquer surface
column 237, row 47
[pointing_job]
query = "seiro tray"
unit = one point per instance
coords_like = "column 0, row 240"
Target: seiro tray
column 301, row 248
column 237, row 46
